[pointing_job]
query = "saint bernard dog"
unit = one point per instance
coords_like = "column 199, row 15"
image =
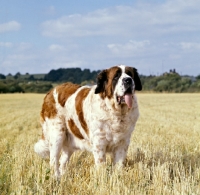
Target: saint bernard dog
column 97, row 118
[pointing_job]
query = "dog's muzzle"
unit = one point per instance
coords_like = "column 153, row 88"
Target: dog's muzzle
column 128, row 95
column 128, row 83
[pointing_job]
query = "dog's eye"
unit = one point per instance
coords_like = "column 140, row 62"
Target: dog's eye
column 117, row 76
column 129, row 73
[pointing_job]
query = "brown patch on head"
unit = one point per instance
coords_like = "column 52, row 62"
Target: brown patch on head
column 129, row 71
column 82, row 94
column 107, row 80
column 132, row 72
column 65, row 91
column 74, row 129
column 113, row 75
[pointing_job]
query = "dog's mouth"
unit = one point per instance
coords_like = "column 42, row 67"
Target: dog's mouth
column 127, row 98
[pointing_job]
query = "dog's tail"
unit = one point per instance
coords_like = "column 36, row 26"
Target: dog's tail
column 42, row 148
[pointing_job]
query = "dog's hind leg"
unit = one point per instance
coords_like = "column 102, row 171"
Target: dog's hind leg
column 57, row 135
column 65, row 156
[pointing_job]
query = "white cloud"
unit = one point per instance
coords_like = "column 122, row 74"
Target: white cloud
column 174, row 56
column 190, row 46
column 17, row 62
column 23, row 46
column 56, row 48
column 141, row 19
column 50, row 10
column 22, row 58
column 6, row 44
column 100, row 22
column 9, row 26
column 142, row 35
column 129, row 48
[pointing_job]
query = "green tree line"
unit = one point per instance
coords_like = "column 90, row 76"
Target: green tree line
column 171, row 83
column 74, row 75
column 41, row 83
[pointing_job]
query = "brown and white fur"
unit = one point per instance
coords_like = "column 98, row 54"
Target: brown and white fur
column 99, row 119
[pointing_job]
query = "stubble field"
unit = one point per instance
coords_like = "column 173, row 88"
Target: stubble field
column 163, row 157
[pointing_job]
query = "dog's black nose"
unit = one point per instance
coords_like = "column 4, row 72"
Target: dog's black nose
column 127, row 81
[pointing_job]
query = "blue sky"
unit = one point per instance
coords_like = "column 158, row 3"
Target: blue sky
column 153, row 36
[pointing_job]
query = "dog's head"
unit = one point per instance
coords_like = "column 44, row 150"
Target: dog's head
column 118, row 82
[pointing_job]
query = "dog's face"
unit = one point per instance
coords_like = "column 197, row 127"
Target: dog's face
column 118, row 82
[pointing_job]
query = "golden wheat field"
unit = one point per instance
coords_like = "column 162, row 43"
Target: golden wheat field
column 163, row 157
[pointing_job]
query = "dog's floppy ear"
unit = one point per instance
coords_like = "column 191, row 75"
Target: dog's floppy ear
column 136, row 78
column 101, row 79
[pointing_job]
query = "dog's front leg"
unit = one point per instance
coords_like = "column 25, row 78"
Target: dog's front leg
column 119, row 155
column 99, row 150
column 66, row 154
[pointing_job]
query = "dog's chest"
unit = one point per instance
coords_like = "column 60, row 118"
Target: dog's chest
column 117, row 129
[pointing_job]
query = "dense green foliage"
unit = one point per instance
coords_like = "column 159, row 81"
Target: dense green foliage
column 74, row 75
column 41, row 83
column 13, row 86
column 171, row 83
column 10, row 87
